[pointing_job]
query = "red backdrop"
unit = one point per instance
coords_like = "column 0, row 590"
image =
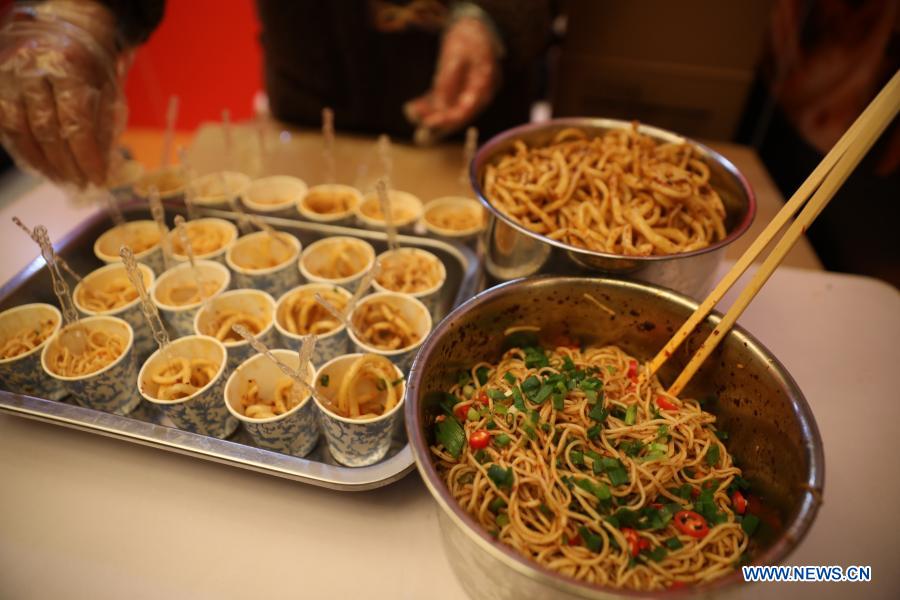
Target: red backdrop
column 207, row 52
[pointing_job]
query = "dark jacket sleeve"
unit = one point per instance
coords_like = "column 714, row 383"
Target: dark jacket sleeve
column 136, row 19
column 523, row 26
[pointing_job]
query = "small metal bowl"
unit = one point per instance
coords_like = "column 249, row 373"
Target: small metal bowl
column 513, row 251
column 772, row 433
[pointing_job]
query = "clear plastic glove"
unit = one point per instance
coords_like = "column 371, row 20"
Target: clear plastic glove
column 61, row 102
column 465, row 81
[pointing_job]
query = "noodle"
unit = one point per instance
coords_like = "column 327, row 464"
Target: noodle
column 182, row 377
column 408, row 271
column 329, row 202
column 110, row 296
column 301, row 314
column 255, row 407
column 100, row 349
column 589, row 473
column 187, row 292
column 26, row 339
column 380, row 325
column 620, row 193
column 264, row 254
column 344, row 259
column 221, row 323
column 367, row 390
column 400, row 213
column 204, row 238
column 454, row 218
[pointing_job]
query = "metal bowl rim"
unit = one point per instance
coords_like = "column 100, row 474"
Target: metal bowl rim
column 789, row 539
column 481, row 157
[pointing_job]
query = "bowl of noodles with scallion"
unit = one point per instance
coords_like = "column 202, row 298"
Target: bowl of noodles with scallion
column 563, row 468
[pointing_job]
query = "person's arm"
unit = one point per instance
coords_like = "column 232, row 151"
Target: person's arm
column 61, row 68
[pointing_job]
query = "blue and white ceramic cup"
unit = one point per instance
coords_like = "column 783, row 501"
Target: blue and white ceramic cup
column 339, row 260
column 203, row 411
column 414, row 314
column 295, row 305
column 225, row 233
column 251, row 256
column 101, row 280
column 216, row 317
column 175, row 293
column 406, row 210
column 393, row 262
column 208, row 192
column 330, row 203
column 143, row 236
column 110, row 388
column 296, row 431
column 356, row 442
column 21, row 370
column 275, row 196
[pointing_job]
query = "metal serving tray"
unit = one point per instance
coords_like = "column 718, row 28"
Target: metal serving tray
column 144, row 425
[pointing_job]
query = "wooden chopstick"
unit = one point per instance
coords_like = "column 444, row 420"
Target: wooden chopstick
column 796, row 201
column 844, row 157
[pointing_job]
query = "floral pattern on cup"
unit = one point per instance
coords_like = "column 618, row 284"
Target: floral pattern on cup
column 413, row 311
column 319, row 256
column 111, row 389
column 274, row 280
column 202, row 412
column 179, row 319
column 275, row 196
column 23, row 374
column 106, row 247
column 355, row 442
column 294, row 432
column 328, row 345
column 406, row 210
column 253, row 302
column 430, row 297
column 346, row 217
column 226, row 229
column 130, row 312
column 207, row 191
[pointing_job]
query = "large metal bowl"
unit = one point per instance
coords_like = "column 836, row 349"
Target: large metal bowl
column 513, row 251
column 772, row 434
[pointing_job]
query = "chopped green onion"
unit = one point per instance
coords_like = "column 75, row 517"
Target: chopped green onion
column 502, row 520
column 558, row 402
column 463, row 378
column 529, row 431
column 472, row 415
column 468, row 391
column 631, row 414
column 598, row 413
column 518, row 401
column 545, row 510
column 496, row 394
column 658, row 554
column 674, row 543
column 510, row 378
column 481, row 456
column 496, row 504
column 500, row 476
column 450, row 435
column 500, row 409
column 593, row 541
column 631, row 447
column 576, row 457
column 502, row 440
column 712, row 455
column 535, row 357
column 749, row 524
column 722, row 435
column 593, row 432
column 482, row 373
column 597, row 488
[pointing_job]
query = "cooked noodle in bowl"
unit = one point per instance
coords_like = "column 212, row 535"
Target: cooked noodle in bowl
column 24, row 331
column 412, row 271
column 180, row 291
column 143, row 237
column 337, row 260
column 209, row 238
column 390, row 324
column 262, row 261
column 298, row 314
column 216, row 189
column 252, row 309
column 454, row 217
column 406, row 210
column 275, row 195
column 329, row 203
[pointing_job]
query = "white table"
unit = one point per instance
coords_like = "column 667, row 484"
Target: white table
column 85, row 516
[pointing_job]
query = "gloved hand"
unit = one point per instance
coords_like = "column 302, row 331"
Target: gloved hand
column 465, row 80
column 61, row 102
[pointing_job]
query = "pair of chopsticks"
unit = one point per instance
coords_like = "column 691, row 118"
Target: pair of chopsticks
column 821, row 184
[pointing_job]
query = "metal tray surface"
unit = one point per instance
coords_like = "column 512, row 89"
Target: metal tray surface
column 146, row 426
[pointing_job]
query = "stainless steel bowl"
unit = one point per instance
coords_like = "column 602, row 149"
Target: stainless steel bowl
column 513, row 251
column 772, row 433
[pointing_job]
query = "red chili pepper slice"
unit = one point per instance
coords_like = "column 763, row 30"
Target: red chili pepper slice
column 479, row 439
column 632, row 370
column 690, row 523
column 636, row 542
column 482, row 398
column 738, row 502
column 677, row 585
column 663, row 403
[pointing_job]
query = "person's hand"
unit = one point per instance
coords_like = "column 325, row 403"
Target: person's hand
column 61, row 103
column 466, row 78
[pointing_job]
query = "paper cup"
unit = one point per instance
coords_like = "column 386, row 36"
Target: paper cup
column 169, row 181
column 411, row 310
column 454, row 218
column 111, row 388
column 107, row 246
column 130, row 311
column 318, row 258
column 203, row 411
column 294, row 432
column 23, row 373
column 406, row 210
column 252, row 302
column 355, row 442
column 275, row 196
column 328, row 345
column 225, row 230
column 180, row 317
column 243, row 258
column 429, row 296
column 318, row 204
column 208, row 192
